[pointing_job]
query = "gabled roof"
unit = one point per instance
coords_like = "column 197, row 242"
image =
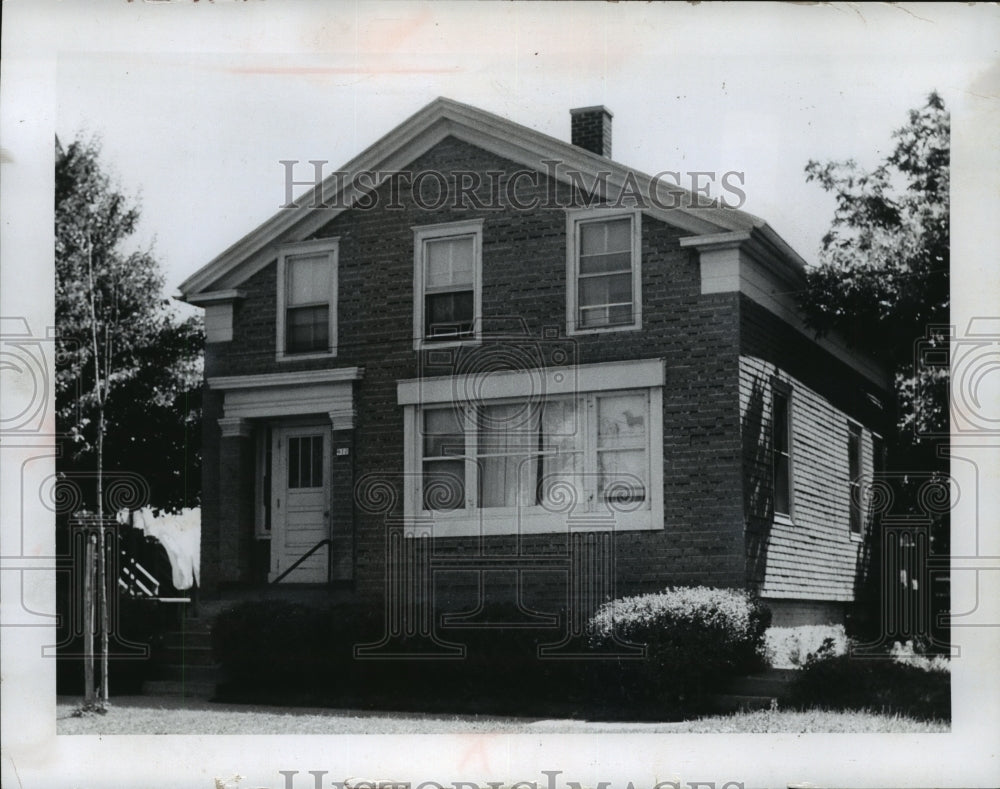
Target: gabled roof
column 422, row 131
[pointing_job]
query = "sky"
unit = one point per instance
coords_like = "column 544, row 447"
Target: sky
column 195, row 111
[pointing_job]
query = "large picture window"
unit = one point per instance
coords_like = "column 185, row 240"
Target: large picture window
column 515, row 464
column 447, row 282
column 307, row 299
column 604, row 292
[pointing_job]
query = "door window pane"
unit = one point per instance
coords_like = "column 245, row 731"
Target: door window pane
column 305, row 462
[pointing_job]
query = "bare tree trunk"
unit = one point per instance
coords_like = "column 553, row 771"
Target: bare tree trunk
column 89, row 697
column 100, row 395
column 102, row 561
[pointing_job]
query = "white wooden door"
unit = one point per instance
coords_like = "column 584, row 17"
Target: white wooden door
column 300, row 506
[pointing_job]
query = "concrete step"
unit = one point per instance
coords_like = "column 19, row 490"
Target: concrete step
column 172, row 687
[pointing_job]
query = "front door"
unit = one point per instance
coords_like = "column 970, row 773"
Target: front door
column 300, row 505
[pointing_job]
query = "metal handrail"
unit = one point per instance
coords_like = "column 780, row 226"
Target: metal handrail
column 302, row 558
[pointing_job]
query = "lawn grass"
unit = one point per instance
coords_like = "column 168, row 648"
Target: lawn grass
column 170, row 715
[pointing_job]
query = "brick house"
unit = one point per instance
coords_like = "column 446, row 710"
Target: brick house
column 523, row 370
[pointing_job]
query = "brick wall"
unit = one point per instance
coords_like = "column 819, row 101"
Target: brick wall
column 812, row 556
column 524, row 278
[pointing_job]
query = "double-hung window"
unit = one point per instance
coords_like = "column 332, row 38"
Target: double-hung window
column 307, row 299
column 854, row 449
column 604, row 271
column 447, row 282
column 526, row 464
column 781, row 438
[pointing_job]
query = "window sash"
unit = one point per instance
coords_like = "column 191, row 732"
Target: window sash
column 448, row 269
column 854, row 465
column 605, row 260
column 531, row 465
column 781, row 458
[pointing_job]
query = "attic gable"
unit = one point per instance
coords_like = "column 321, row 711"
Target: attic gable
column 416, row 136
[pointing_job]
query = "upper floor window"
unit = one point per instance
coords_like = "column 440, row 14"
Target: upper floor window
column 781, row 452
column 854, row 449
column 604, row 272
column 447, row 282
column 307, row 299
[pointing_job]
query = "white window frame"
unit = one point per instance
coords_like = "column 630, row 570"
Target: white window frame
column 331, row 246
column 574, row 220
column 781, row 389
column 586, row 383
column 421, row 235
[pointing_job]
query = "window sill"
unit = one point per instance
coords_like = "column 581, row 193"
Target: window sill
column 604, row 329
column 294, row 357
column 507, row 522
column 423, row 344
column 784, row 520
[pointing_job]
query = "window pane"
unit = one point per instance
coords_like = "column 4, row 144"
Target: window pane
column 614, row 235
column 561, row 430
column 599, row 264
column 560, row 480
column 448, row 314
column 508, row 443
column 443, row 433
column 622, row 420
column 508, row 480
column 448, row 262
column 622, row 474
column 781, row 497
column 309, row 278
column 609, row 289
column 293, row 462
column 854, row 453
column 317, row 461
column 444, row 485
column 780, row 426
column 307, row 329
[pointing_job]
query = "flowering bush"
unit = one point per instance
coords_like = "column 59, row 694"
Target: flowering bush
column 694, row 637
column 908, row 655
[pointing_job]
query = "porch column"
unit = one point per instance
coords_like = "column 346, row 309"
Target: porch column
column 236, row 461
column 342, row 493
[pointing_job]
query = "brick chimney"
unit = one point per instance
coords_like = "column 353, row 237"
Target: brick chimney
column 590, row 128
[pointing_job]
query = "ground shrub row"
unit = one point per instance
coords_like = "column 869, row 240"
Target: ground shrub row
column 913, row 686
column 656, row 656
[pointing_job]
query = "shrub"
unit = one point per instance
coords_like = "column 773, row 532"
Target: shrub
column 880, row 683
column 694, row 638
column 789, row 647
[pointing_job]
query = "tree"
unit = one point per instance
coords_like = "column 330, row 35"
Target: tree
column 883, row 285
column 125, row 361
column 882, row 281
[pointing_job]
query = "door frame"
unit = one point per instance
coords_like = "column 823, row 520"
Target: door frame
column 280, row 432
